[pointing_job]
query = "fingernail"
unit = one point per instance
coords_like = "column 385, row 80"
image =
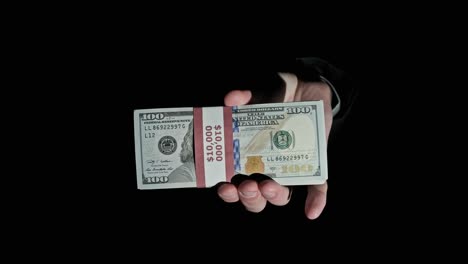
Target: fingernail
column 228, row 195
column 269, row 195
column 248, row 194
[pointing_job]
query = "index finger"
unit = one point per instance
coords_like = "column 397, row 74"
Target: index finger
column 274, row 192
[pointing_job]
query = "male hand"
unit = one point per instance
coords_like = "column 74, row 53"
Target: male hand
column 254, row 196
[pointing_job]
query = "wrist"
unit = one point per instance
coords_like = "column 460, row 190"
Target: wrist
column 291, row 84
column 313, row 91
column 335, row 100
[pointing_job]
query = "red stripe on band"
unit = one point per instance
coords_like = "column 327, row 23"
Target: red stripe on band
column 229, row 159
column 198, row 139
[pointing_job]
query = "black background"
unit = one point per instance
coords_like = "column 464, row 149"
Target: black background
column 132, row 83
column 90, row 190
column 72, row 185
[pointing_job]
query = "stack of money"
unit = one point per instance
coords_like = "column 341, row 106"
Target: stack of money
column 202, row 146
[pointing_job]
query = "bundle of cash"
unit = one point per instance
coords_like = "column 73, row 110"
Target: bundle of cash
column 202, row 146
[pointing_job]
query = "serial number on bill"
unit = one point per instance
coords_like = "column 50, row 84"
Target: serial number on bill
column 163, row 127
column 289, row 157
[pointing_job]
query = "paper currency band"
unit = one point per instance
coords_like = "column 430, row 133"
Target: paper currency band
column 213, row 164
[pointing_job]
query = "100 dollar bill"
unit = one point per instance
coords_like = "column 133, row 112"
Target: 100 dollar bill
column 200, row 147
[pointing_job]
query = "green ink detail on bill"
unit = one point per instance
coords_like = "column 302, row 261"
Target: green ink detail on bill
column 282, row 139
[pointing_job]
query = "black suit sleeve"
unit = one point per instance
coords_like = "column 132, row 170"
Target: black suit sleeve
column 267, row 86
column 312, row 69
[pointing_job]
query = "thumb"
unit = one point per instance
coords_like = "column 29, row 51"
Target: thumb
column 316, row 200
column 237, row 97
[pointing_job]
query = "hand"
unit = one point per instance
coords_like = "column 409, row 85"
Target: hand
column 254, row 196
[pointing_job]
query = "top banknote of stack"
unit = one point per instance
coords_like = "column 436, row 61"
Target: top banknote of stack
column 202, row 146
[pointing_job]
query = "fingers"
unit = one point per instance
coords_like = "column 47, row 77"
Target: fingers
column 274, row 192
column 228, row 192
column 251, row 197
column 316, row 200
column 237, row 97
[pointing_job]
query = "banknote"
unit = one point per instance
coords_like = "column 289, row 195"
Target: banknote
column 202, row 146
column 283, row 141
column 164, row 148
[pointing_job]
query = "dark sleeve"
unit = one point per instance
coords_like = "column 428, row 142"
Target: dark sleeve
column 316, row 69
column 269, row 87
